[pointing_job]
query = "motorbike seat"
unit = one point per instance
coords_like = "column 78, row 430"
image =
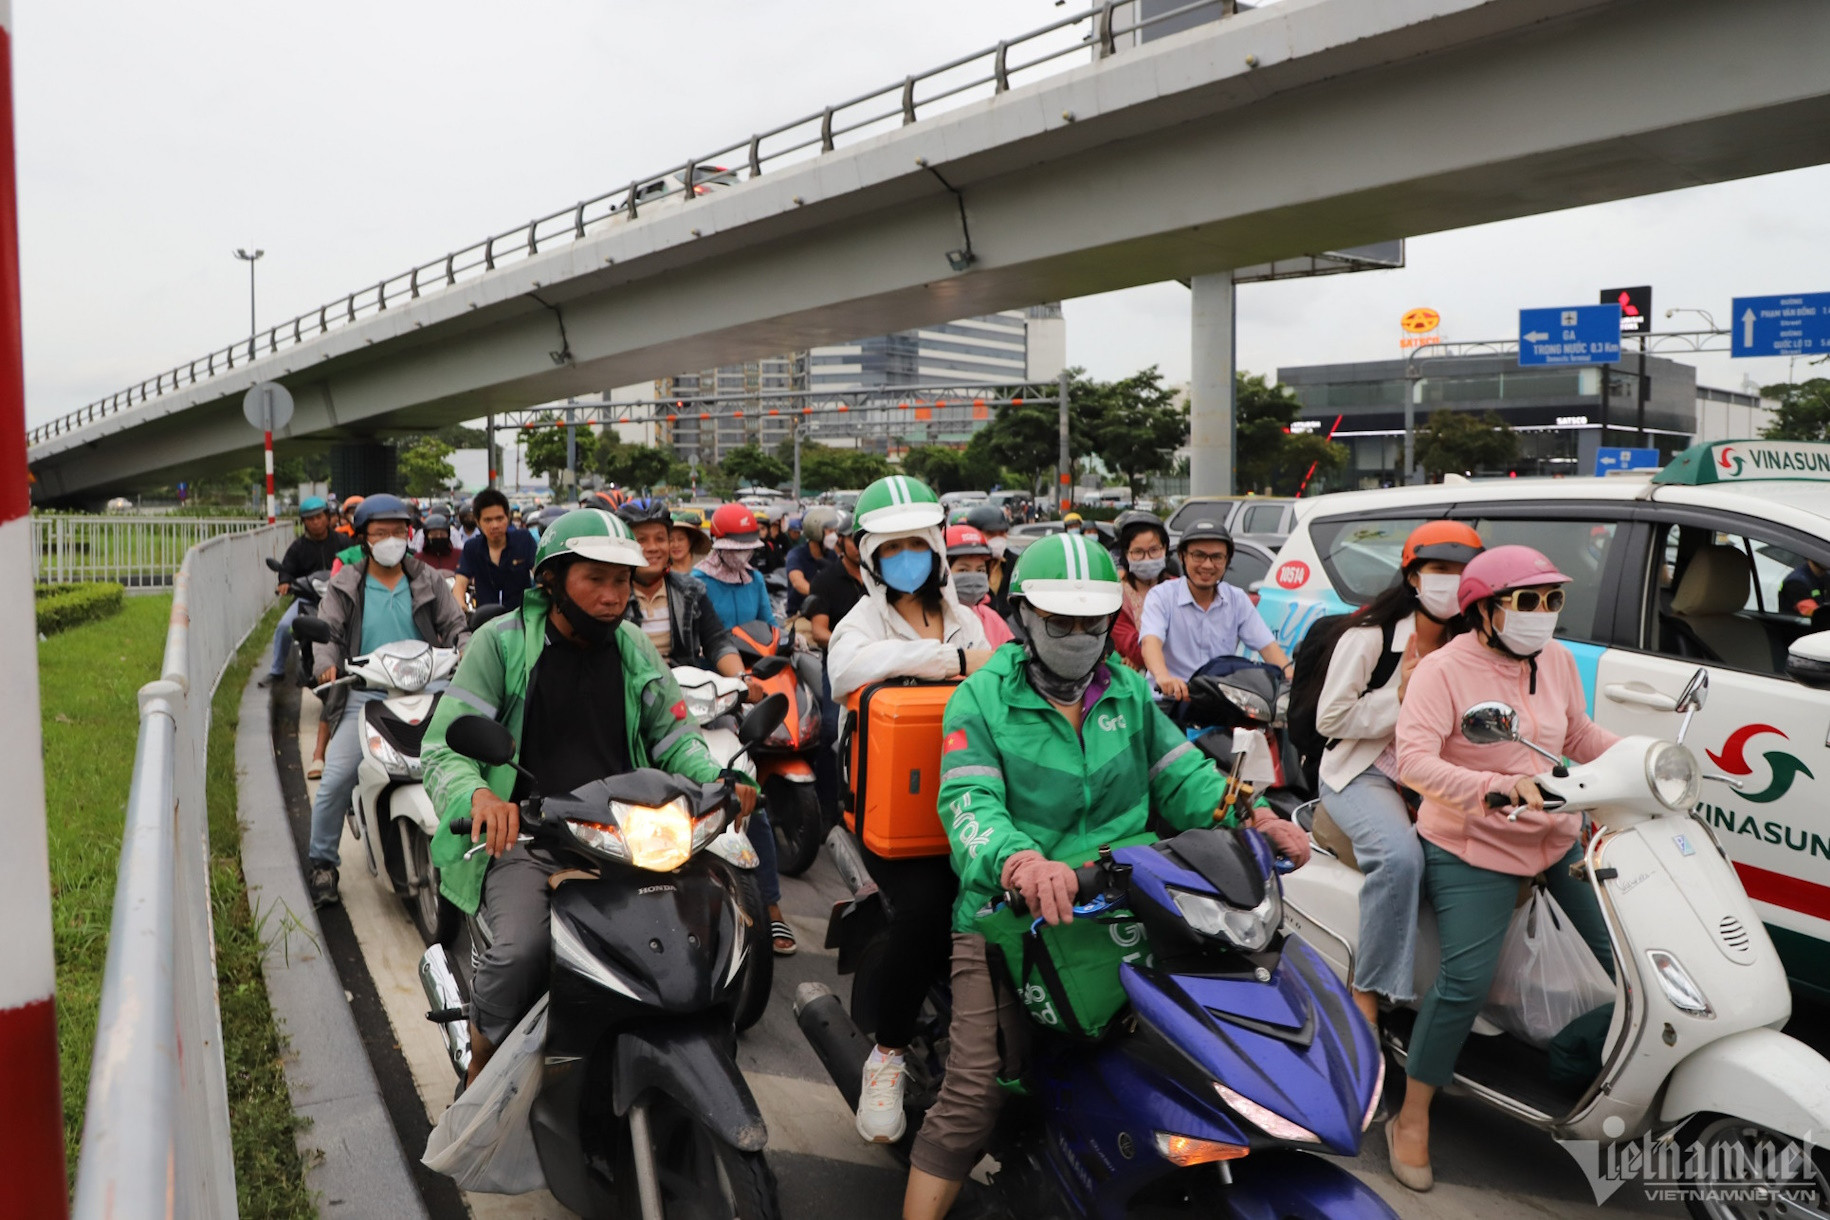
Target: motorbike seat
column 1329, row 836
column 402, row 735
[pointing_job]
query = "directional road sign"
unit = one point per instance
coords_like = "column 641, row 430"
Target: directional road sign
column 1574, row 334
column 1609, row 459
column 1780, row 326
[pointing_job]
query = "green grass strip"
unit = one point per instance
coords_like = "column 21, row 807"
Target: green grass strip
column 67, row 606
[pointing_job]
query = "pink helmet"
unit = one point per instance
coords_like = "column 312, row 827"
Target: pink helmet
column 1505, row 567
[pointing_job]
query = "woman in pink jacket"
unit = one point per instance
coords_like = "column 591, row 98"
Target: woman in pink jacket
column 1474, row 857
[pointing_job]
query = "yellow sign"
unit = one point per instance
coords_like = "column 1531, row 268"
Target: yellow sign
column 1420, row 321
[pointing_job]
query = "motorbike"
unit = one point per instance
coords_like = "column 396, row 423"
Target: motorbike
column 1241, row 1055
column 1693, row 1051
column 390, row 812
column 641, row 1109
column 308, row 591
column 784, row 763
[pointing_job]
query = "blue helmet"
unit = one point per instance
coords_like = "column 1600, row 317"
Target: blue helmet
column 311, row 506
column 381, row 507
column 793, row 523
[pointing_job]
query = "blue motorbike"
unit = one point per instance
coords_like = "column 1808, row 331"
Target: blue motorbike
column 1240, row 1054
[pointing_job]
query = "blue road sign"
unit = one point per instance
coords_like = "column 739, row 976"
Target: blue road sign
column 1575, row 334
column 1609, row 459
column 1780, row 326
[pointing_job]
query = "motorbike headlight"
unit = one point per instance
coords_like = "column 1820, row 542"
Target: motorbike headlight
column 1269, row 1121
column 701, row 703
column 1250, row 930
column 707, row 826
column 392, row 761
column 407, row 671
column 659, row 838
column 599, row 837
column 1673, row 775
column 1677, row 984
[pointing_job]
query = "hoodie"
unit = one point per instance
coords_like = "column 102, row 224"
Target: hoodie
column 874, row 643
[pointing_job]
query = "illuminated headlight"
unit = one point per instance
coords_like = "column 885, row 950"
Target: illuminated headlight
column 572, row 954
column 1672, row 773
column 659, row 839
column 408, row 672
column 1270, row 1122
column 1249, row 930
column 392, row 761
column 1678, row 986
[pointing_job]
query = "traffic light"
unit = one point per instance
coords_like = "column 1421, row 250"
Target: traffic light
column 1635, row 307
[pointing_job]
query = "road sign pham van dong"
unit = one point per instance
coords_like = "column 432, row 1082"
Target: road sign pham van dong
column 1635, row 307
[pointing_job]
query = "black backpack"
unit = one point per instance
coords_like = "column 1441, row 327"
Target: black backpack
column 1311, row 661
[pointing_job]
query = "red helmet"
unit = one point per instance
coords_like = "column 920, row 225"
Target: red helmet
column 1505, row 567
column 735, row 524
column 964, row 540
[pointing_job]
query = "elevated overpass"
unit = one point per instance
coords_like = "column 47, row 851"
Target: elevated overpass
column 1307, row 125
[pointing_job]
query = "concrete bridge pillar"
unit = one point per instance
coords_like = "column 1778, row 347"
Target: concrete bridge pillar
column 362, row 468
column 1210, row 408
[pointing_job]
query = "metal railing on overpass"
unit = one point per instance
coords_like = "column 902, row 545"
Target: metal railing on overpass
column 156, row 1124
column 135, row 551
column 969, row 78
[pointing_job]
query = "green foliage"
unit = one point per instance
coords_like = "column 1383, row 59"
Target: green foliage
column 750, row 464
column 1134, row 424
column 425, row 467
column 1460, row 442
column 1025, row 438
column 1269, row 458
column 633, row 466
column 65, row 606
column 460, row 437
column 291, row 470
column 824, row 468
column 544, row 450
column 947, row 469
column 1804, row 410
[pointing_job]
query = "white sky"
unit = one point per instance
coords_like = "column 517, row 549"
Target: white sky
column 350, row 140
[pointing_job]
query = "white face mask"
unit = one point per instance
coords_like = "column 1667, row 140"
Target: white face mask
column 1440, row 594
column 830, row 541
column 1527, row 634
column 389, row 551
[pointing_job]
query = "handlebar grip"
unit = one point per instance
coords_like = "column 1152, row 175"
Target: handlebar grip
column 1498, row 800
column 460, row 826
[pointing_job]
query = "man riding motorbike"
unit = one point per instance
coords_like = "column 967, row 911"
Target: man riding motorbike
column 585, row 695
column 1050, row 751
column 314, row 552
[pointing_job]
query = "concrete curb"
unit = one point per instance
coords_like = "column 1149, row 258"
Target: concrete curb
column 353, row 1156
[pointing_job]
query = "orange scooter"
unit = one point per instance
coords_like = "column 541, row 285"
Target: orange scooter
column 784, row 761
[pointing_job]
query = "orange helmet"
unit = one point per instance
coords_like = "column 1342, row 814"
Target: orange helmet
column 351, row 505
column 1451, row 541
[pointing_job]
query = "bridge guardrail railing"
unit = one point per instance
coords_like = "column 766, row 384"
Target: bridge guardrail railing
column 133, row 551
column 982, row 74
column 156, row 1124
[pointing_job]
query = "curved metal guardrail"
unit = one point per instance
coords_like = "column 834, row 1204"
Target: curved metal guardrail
column 981, row 74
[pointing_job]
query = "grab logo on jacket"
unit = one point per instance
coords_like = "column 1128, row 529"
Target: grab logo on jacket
column 1784, row 767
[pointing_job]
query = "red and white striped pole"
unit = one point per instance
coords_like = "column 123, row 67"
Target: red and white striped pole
column 31, row 1120
column 268, row 435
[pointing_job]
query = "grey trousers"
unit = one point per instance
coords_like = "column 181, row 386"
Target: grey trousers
column 988, row 1038
column 512, row 973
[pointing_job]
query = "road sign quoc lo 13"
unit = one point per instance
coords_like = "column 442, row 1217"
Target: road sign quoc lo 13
column 1570, row 334
column 1794, row 325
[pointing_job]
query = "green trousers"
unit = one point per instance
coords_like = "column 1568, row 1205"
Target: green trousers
column 1473, row 910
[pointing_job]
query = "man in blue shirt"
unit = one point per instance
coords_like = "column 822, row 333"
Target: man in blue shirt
column 389, row 596
column 498, row 564
column 1187, row 623
column 816, row 550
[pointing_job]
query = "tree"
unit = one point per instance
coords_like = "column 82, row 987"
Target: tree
column 749, row 464
column 1268, row 456
column 1026, row 439
column 425, row 468
column 1138, row 426
column 544, row 450
column 824, row 468
column 1460, row 442
column 634, row 466
column 1804, row 410
column 460, row 437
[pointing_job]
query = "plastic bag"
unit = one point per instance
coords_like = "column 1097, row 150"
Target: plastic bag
column 484, row 1142
column 1547, row 975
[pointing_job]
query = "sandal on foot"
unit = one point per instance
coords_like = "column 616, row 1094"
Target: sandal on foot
column 781, row 932
column 315, row 770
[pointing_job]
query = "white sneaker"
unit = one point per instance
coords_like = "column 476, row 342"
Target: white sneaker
column 880, row 1116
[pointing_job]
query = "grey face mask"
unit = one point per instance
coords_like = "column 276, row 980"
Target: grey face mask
column 1062, row 669
column 1148, row 569
column 972, row 587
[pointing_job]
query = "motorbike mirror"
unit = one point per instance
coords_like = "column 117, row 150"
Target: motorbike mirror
column 768, row 667
column 273, row 563
column 481, row 738
column 1695, row 693
column 763, row 719
column 313, row 629
column 1490, row 723
column 482, row 614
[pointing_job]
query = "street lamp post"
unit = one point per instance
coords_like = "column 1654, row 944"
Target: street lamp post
column 249, row 259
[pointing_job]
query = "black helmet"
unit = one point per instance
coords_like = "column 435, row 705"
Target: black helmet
column 382, row 507
column 1137, row 522
column 652, row 510
column 437, row 520
column 1207, row 529
column 988, row 519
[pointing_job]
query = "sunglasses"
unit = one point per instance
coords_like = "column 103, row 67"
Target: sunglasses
column 1060, row 626
column 1529, row 601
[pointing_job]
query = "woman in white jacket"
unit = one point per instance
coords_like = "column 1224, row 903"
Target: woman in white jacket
column 908, row 624
column 1357, row 712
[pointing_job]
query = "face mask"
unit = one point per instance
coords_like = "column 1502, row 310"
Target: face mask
column 1062, row 669
column 389, row 551
column 830, row 541
column 972, row 587
column 1440, row 595
column 1527, row 634
column 591, row 631
column 906, row 571
column 438, row 546
column 1148, row 569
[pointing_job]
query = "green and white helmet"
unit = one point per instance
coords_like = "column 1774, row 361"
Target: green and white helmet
column 588, row 533
column 898, row 504
column 1067, row 574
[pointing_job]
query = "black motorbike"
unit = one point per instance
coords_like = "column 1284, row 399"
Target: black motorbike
column 308, row 591
column 641, row 1110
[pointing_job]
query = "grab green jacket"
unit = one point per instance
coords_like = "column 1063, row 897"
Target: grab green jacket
column 492, row 680
column 1014, row 777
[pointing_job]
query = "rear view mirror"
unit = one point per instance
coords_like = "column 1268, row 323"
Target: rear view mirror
column 762, row 720
column 768, row 667
column 1695, row 693
column 481, row 738
column 1808, row 660
column 1490, row 723
column 312, row 630
column 273, row 564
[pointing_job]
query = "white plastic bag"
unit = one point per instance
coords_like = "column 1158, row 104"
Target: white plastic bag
column 1547, row 975
column 484, row 1142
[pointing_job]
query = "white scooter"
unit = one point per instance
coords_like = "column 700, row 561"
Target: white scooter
column 1700, row 994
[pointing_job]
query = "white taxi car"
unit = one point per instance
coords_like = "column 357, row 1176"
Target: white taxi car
column 1708, row 562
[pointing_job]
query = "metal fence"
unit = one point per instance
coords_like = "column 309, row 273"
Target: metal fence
column 1099, row 30
column 135, row 551
column 156, row 1126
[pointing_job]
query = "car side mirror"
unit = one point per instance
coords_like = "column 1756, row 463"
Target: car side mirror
column 1490, row 723
column 762, row 720
column 481, row 738
column 312, row 629
column 1808, row 660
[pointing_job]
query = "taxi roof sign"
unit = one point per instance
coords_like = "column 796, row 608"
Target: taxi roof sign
column 1747, row 462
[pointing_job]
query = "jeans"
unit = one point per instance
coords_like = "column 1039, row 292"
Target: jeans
column 761, row 832
column 282, row 640
column 341, row 759
column 1371, row 813
column 1473, row 910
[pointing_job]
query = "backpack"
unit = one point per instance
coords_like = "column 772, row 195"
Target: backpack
column 1311, row 660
